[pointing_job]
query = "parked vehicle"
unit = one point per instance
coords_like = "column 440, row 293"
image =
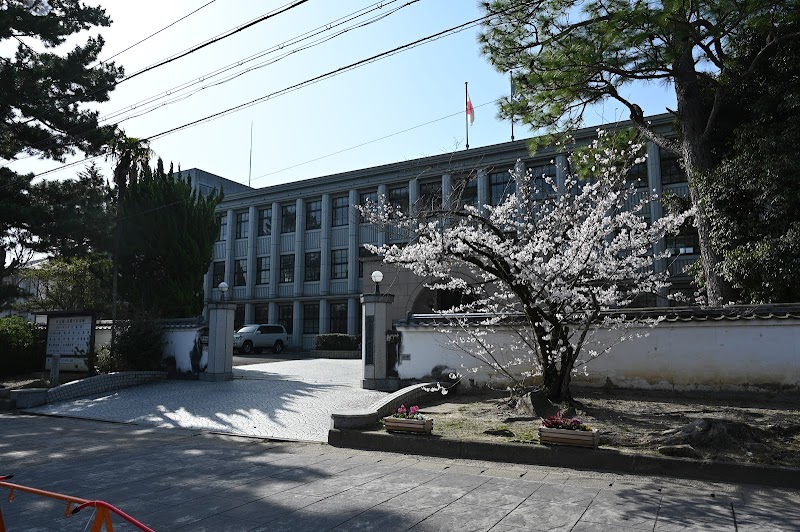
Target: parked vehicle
column 253, row 338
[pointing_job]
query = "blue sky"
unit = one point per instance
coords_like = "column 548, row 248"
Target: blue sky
column 398, row 93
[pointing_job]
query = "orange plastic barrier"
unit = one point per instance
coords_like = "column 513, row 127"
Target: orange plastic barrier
column 102, row 516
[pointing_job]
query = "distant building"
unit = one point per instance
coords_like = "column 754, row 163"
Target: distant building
column 294, row 253
column 205, row 182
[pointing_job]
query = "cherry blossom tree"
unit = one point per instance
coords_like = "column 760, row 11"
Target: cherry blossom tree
column 554, row 264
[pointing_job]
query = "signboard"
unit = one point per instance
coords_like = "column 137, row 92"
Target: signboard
column 71, row 336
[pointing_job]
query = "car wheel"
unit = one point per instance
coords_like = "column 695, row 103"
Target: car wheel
column 278, row 347
column 247, row 347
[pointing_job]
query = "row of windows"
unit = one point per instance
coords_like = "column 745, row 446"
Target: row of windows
column 501, row 184
column 337, row 322
column 313, row 265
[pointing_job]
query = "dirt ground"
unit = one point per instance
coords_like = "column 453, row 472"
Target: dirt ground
column 755, row 428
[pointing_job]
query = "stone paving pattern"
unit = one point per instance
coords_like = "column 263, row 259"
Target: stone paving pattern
column 173, row 479
column 290, row 400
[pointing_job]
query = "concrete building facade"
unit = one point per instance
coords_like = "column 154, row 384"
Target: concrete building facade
column 294, row 253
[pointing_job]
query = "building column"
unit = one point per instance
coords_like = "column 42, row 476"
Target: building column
column 352, row 315
column 297, row 325
column 230, row 244
column 413, row 196
column 324, row 316
column 352, row 243
column 325, row 249
column 272, row 312
column 447, row 192
column 656, row 208
column 483, row 189
column 274, row 258
column 299, row 246
column 561, row 173
column 220, row 342
column 374, row 349
column 249, row 308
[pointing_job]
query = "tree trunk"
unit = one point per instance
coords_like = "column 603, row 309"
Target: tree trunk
column 697, row 159
column 556, row 384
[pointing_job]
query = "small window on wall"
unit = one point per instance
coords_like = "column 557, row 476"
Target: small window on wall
column 430, row 196
column 262, row 313
column 339, row 317
column 262, row 270
column 313, row 215
column 312, row 270
column 338, row 264
column 286, row 317
column 287, row 269
column 311, row 318
column 242, row 225
column 265, row 221
column 238, row 317
column 501, row 185
column 340, row 210
column 240, row 272
column 671, row 169
column 398, row 197
column 218, row 274
column 288, row 218
column 222, row 220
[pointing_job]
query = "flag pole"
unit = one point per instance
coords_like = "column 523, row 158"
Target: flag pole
column 466, row 110
column 511, row 81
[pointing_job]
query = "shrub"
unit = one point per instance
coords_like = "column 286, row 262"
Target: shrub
column 337, row 342
column 22, row 346
column 138, row 345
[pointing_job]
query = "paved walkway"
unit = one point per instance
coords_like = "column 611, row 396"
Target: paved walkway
column 285, row 400
column 187, row 480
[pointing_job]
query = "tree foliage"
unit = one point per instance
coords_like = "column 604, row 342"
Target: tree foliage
column 71, row 283
column 166, row 243
column 571, row 54
column 550, row 265
column 41, row 114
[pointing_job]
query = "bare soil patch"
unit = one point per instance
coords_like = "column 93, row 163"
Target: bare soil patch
column 753, row 428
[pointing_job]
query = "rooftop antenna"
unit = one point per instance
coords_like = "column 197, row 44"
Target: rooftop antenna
column 250, row 172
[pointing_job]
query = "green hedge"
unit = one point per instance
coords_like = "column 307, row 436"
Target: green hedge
column 22, row 346
column 337, row 342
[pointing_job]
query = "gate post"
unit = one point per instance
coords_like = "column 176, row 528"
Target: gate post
column 374, row 343
column 220, row 342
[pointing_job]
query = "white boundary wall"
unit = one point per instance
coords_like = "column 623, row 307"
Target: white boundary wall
column 742, row 354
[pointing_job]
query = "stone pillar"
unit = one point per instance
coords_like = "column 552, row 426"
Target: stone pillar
column 299, row 246
column 297, row 326
column 324, row 316
column 230, row 249
column 483, row 190
column 325, row 248
column 383, row 192
column 656, row 208
column 413, row 197
column 561, row 173
column 447, row 192
column 352, row 315
column 374, row 351
column 274, row 256
column 220, row 342
column 352, row 245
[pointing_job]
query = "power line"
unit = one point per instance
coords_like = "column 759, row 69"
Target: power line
column 214, row 40
column 297, row 86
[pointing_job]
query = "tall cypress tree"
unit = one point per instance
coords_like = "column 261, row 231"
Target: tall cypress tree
column 166, row 243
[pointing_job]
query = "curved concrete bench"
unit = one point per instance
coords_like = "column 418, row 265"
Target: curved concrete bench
column 102, row 383
column 410, row 395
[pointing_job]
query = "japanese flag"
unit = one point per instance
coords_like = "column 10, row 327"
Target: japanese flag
column 470, row 111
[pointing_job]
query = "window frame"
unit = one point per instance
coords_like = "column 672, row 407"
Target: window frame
column 260, row 270
column 265, row 221
column 339, row 266
column 286, row 273
column 340, row 211
column 288, row 212
column 313, row 215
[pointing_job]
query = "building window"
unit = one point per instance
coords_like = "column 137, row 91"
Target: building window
column 288, row 218
column 540, row 175
column 242, row 225
column 313, row 215
column 398, row 197
column 338, row 317
column 287, row 269
column 262, row 313
column 262, row 270
column 311, row 318
column 366, row 198
column 238, row 317
column 218, row 274
column 430, row 196
column 338, row 264
column 313, row 260
column 222, row 220
column 466, row 192
column 637, row 175
column 686, row 242
column 340, row 210
column 501, row 185
column 240, row 272
column 286, row 317
column 671, row 170
column 265, row 221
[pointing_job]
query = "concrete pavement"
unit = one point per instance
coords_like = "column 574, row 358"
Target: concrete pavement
column 289, row 399
column 176, row 479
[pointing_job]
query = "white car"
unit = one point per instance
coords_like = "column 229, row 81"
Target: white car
column 253, row 338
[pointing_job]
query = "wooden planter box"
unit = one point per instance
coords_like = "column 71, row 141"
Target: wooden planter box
column 580, row 438
column 397, row 424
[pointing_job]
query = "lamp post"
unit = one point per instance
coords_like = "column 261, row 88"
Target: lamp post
column 223, row 287
column 377, row 277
